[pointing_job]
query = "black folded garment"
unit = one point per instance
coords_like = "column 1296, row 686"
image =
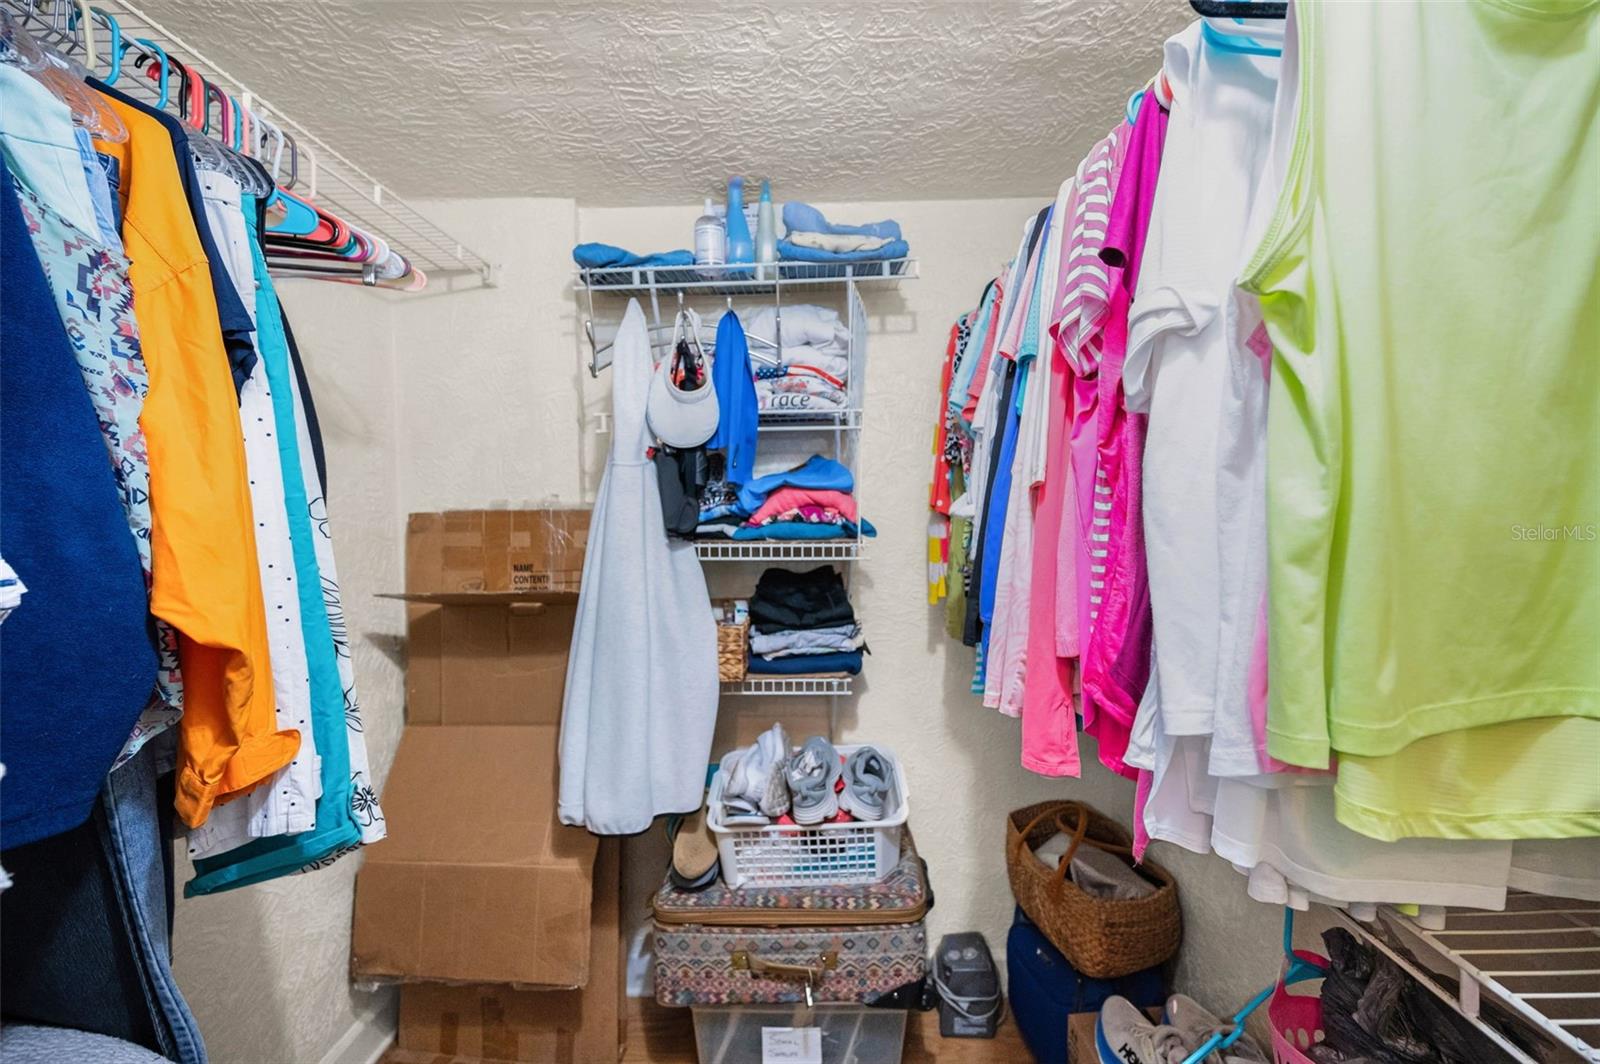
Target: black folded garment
column 786, row 600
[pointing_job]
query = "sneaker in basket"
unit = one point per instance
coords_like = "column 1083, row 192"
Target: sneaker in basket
column 1124, row 1035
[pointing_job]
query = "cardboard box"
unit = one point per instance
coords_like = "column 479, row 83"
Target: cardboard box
column 477, row 881
column 1080, row 1034
column 496, row 550
column 497, row 1023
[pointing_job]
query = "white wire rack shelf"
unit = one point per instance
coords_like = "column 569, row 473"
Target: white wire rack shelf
column 1539, row 958
column 771, row 421
column 335, row 182
column 771, row 550
column 744, row 279
column 789, row 685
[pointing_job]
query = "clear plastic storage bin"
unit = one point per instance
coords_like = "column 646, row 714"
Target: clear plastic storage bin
column 851, row 1034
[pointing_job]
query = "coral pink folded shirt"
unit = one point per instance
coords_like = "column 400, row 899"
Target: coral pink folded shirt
column 786, row 500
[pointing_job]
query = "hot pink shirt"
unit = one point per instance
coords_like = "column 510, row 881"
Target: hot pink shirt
column 1116, row 661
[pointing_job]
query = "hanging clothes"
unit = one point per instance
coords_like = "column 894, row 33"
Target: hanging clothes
column 739, row 414
column 1368, row 408
column 68, row 702
column 641, row 691
column 204, row 567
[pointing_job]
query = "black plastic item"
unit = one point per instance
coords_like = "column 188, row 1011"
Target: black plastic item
column 968, row 985
column 1239, row 9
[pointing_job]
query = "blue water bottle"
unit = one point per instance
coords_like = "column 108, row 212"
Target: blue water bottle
column 741, row 249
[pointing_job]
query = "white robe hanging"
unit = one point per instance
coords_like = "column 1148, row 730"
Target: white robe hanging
column 641, row 696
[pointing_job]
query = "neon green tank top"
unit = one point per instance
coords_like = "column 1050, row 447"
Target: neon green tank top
column 1431, row 287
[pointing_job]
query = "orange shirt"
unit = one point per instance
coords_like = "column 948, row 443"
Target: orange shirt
column 203, row 544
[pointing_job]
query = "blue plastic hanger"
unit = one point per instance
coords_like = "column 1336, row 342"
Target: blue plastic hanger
column 1134, row 103
column 160, row 53
column 1237, row 43
column 1298, row 971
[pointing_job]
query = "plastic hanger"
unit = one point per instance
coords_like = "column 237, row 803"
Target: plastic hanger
column 62, row 78
column 1236, row 43
column 1299, row 966
column 82, row 20
column 150, row 50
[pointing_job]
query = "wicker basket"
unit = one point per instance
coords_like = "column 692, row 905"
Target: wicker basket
column 1103, row 938
column 733, row 650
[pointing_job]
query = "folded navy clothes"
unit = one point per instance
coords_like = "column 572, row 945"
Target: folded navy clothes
column 786, row 600
column 802, row 217
column 807, row 665
column 805, row 530
column 600, row 256
column 814, row 472
column 894, row 249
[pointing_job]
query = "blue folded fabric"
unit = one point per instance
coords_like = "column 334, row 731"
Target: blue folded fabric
column 848, row 661
column 804, row 218
column 894, row 249
column 806, row 530
column 815, row 472
column 600, row 256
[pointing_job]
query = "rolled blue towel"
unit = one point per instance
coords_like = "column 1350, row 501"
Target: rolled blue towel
column 804, row 218
column 894, row 249
column 600, row 256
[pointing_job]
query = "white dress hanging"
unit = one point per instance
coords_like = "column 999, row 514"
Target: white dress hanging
column 641, row 696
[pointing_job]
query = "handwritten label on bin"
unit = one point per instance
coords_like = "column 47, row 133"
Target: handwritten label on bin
column 791, row 1045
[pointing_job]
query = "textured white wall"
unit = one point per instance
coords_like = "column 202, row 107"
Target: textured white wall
column 494, row 408
column 266, row 968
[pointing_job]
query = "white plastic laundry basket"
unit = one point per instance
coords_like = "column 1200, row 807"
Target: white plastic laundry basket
column 788, row 855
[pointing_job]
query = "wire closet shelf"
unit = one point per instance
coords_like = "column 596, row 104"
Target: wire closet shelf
column 1539, row 958
column 789, row 685
column 331, row 179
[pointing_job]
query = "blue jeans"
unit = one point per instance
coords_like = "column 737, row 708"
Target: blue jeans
column 87, row 927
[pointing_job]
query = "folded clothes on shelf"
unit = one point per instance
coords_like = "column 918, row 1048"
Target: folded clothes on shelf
column 808, row 530
column 785, row 599
column 842, row 662
column 804, row 642
column 823, row 241
column 802, row 325
column 814, row 472
column 786, row 501
column 601, row 256
column 797, row 388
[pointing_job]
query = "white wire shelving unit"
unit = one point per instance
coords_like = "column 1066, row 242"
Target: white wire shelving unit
column 828, row 686
column 326, row 176
column 1539, row 959
column 781, row 550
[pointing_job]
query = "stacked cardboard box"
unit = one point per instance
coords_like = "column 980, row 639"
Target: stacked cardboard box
column 501, row 923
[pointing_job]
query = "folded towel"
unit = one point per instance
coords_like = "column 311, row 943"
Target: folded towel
column 599, row 256
column 792, row 252
column 835, row 241
column 801, row 324
column 805, row 530
column 802, row 217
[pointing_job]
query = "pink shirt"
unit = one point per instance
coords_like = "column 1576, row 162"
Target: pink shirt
column 1116, row 663
column 784, row 500
column 1049, row 723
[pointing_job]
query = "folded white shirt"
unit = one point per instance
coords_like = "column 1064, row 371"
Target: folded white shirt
column 803, row 323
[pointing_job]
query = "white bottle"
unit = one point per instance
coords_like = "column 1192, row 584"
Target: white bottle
column 710, row 239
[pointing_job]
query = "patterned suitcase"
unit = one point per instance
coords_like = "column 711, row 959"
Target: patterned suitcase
column 783, row 945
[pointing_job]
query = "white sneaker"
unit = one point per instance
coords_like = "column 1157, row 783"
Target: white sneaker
column 1124, row 1035
column 1196, row 1024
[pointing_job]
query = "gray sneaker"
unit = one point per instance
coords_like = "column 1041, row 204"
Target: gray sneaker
column 1124, row 1035
column 1196, row 1024
column 812, row 774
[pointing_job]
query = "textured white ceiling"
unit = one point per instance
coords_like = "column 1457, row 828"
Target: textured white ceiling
column 639, row 102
